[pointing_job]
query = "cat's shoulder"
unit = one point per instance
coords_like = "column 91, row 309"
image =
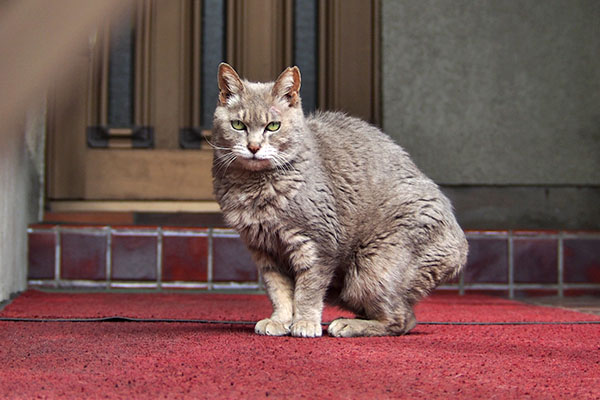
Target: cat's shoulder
column 339, row 126
column 336, row 119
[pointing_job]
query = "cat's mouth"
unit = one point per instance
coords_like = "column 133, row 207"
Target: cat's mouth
column 255, row 164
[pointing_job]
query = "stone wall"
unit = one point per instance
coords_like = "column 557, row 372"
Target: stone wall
column 499, row 102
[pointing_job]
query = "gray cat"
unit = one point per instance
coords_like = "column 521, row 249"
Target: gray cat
column 331, row 209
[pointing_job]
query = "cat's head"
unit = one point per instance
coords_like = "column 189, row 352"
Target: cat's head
column 257, row 125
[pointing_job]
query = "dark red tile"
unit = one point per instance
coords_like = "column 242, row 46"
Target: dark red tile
column 83, row 255
column 581, row 292
column 185, row 258
column 232, row 261
column 522, row 293
column 42, row 255
column 488, row 292
column 582, row 260
column 487, row 261
column 133, row 257
column 535, row 260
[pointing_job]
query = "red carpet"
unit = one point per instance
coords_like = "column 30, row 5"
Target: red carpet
column 190, row 360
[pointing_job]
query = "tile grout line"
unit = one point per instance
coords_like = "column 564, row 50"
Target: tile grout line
column 57, row 256
column 209, row 268
column 561, row 265
column 108, row 257
column 159, row 257
column 511, row 266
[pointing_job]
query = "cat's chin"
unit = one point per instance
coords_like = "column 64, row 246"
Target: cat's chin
column 254, row 164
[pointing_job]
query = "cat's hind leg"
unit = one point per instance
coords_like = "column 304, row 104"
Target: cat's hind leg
column 376, row 287
column 344, row 327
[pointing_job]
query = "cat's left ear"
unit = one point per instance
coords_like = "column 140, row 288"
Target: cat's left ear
column 287, row 86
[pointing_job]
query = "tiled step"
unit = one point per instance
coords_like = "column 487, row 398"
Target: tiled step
column 138, row 257
column 511, row 263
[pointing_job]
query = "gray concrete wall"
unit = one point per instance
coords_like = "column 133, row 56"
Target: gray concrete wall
column 21, row 195
column 14, row 184
column 502, row 94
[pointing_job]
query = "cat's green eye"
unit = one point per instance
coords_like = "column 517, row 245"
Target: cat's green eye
column 238, row 125
column 273, row 126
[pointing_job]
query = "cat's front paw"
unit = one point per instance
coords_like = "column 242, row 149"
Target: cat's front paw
column 306, row 328
column 271, row 327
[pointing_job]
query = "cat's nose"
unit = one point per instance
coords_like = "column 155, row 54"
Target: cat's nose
column 253, row 147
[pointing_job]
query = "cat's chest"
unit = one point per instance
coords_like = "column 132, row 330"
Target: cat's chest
column 260, row 210
column 260, row 202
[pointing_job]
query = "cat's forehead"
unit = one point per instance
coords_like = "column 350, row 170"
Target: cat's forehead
column 257, row 104
column 258, row 115
column 258, row 94
column 258, row 87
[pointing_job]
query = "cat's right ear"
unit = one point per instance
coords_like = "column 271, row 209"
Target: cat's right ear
column 230, row 84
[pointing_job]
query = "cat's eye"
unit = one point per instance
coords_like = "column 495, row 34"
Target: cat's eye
column 238, row 125
column 273, row 126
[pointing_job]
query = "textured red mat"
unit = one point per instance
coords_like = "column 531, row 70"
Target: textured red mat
column 179, row 360
column 441, row 306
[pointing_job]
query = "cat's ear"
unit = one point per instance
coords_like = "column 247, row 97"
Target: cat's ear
column 230, row 83
column 287, row 86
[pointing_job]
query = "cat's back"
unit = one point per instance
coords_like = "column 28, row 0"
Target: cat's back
column 373, row 178
column 346, row 132
column 353, row 148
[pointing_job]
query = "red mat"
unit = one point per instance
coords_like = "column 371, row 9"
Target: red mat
column 441, row 307
column 186, row 360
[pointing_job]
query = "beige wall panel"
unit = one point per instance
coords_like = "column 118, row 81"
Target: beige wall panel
column 66, row 133
column 166, row 58
column 259, row 37
column 148, row 175
column 349, row 54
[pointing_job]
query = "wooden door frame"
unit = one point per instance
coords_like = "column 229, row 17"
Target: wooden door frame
column 350, row 54
column 79, row 174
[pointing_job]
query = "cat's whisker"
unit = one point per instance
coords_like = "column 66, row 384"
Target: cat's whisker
column 278, row 163
column 224, row 161
column 279, row 167
column 229, row 164
column 220, row 157
column 215, row 146
column 285, row 166
column 282, row 162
